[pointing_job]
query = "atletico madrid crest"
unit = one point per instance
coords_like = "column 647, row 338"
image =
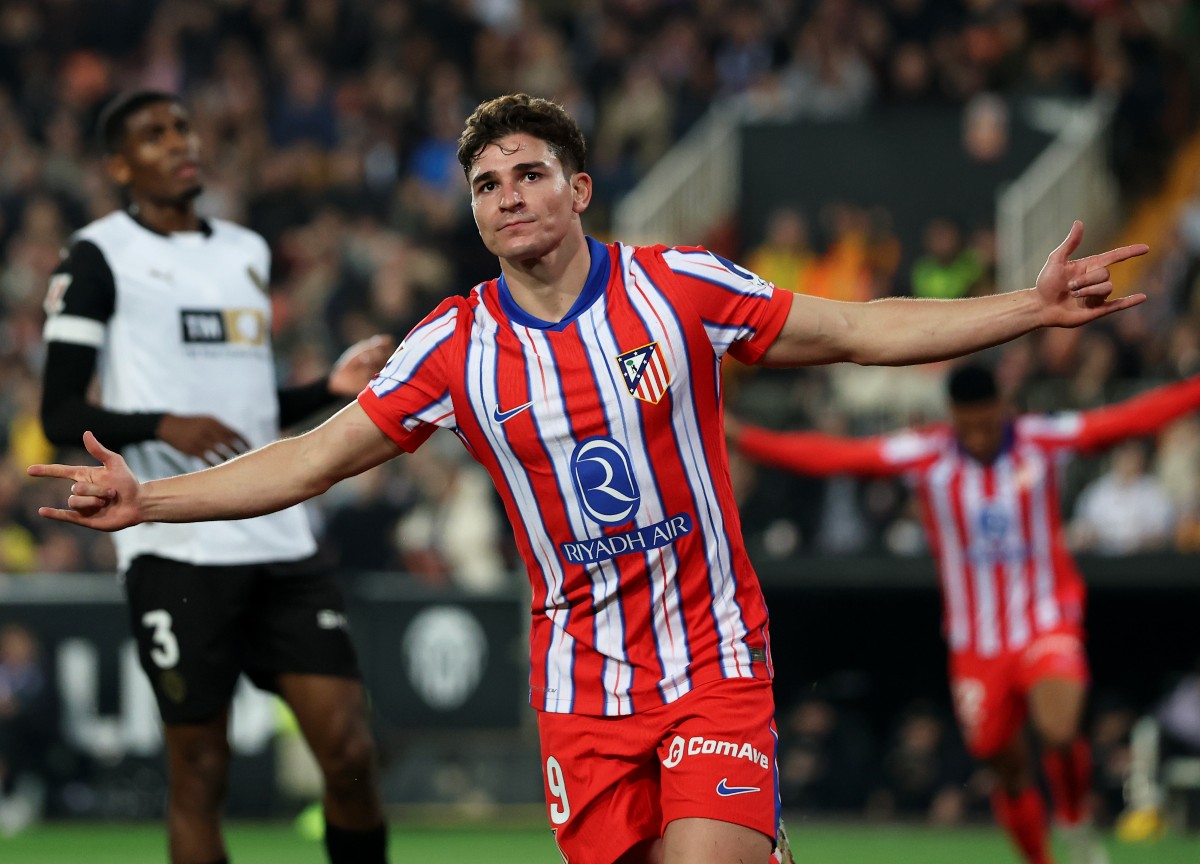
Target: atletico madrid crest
column 645, row 372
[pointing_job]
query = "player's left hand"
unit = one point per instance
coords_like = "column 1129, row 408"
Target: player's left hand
column 358, row 365
column 1076, row 292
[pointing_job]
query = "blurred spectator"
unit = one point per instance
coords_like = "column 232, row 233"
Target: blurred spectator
column 785, row 256
column 451, row 537
column 1112, row 722
column 925, row 770
column 828, row 78
column 826, row 751
column 1169, row 731
column 985, row 127
column 1125, row 510
column 18, row 542
column 947, row 268
column 362, row 517
column 28, row 727
column 843, row 270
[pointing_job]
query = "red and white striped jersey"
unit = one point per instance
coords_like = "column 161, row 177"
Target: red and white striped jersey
column 996, row 529
column 603, row 434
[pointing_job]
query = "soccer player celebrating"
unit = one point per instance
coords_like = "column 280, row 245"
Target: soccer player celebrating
column 585, row 379
column 175, row 310
column 1013, row 597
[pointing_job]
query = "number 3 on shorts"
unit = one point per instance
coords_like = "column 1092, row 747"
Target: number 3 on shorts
column 560, row 809
column 165, row 652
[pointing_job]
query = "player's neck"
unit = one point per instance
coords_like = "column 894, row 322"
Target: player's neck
column 165, row 217
column 548, row 287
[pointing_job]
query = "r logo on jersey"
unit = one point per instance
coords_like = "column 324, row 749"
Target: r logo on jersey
column 645, row 372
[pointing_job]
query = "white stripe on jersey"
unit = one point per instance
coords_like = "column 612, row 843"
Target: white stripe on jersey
column 74, row 329
column 1045, row 606
column 704, row 265
column 481, row 392
column 1016, row 595
column 1064, row 426
column 403, row 364
column 722, row 336
column 608, row 629
column 950, row 550
column 670, row 634
column 655, row 311
column 983, row 575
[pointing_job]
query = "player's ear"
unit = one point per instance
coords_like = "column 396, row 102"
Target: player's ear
column 581, row 191
column 118, row 169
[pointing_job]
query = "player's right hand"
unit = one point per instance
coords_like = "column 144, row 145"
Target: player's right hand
column 202, row 436
column 104, row 496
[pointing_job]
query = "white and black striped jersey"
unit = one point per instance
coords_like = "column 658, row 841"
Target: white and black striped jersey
column 182, row 325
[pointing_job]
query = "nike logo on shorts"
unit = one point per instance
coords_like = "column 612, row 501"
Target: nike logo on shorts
column 504, row 416
column 725, row 790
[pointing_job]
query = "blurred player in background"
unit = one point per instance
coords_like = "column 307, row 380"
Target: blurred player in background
column 586, row 380
column 989, row 492
column 173, row 311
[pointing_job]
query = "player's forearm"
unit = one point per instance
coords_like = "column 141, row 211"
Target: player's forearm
column 901, row 331
column 65, row 412
column 271, row 478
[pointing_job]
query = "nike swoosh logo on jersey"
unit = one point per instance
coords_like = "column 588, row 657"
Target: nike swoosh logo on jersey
column 725, row 791
column 504, row 416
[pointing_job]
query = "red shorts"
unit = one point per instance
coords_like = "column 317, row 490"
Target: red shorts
column 614, row 782
column 991, row 693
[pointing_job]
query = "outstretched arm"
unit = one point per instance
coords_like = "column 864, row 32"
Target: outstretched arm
column 1144, row 414
column 812, row 453
column 897, row 331
column 108, row 497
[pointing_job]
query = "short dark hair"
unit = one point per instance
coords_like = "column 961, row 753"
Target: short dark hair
column 111, row 125
column 972, row 384
column 521, row 113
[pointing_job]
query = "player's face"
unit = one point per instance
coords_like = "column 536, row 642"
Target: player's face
column 160, row 157
column 980, row 428
column 523, row 200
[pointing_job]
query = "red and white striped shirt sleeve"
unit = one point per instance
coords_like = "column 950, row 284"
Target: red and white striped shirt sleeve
column 742, row 312
column 410, row 397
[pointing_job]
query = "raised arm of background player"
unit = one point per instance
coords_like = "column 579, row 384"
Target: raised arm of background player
column 820, row 455
column 81, row 301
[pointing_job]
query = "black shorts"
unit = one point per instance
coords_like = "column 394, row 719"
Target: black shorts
column 198, row 627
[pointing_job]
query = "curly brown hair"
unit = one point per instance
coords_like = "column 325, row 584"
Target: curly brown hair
column 521, row 113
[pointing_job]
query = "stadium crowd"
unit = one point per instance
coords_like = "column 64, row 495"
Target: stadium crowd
column 330, row 127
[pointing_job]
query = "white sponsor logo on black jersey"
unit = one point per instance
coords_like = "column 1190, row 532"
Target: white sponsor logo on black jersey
column 213, row 326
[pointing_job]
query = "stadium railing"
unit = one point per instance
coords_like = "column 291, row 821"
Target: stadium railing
column 1072, row 179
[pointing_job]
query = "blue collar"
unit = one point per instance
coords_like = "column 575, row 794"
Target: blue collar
column 593, row 288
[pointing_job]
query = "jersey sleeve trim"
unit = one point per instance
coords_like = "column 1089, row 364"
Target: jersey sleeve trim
column 74, row 329
column 752, row 350
column 407, row 439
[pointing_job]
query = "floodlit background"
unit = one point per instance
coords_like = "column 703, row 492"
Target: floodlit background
column 847, row 148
